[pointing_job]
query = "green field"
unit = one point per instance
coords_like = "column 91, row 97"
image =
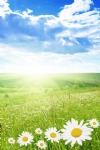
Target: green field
column 30, row 102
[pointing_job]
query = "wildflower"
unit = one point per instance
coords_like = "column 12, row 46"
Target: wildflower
column 94, row 123
column 11, row 140
column 74, row 132
column 38, row 131
column 41, row 144
column 25, row 138
column 52, row 134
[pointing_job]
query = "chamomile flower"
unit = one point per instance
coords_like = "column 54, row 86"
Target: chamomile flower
column 41, row 144
column 25, row 138
column 11, row 140
column 38, row 131
column 52, row 134
column 94, row 123
column 74, row 132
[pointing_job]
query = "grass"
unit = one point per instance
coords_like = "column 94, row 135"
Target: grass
column 30, row 102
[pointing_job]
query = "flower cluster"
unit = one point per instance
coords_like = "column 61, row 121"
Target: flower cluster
column 73, row 132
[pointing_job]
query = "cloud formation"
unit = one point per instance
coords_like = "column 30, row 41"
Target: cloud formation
column 58, row 40
column 4, row 8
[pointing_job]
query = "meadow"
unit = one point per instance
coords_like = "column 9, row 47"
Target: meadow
column 29, row 102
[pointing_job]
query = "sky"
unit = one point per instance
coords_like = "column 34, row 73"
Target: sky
column 49, row 36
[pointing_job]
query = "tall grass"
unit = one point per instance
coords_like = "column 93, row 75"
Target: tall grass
column 29, row 103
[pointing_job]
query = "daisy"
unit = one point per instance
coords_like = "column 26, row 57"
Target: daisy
column 25, row 138
column 11, row 140
column 74, row 132
column 52, row 134
column 94, row 123
column 41, row 144
column 38, row 131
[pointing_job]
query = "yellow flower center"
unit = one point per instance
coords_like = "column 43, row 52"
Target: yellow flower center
column 11, row 140
column 53, row 134
column 25, row 139
column 41, row 144
column 76, row 132
column 38, row 131
column 94, row 123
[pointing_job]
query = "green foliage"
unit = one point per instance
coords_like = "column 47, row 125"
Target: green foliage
column 31, row 102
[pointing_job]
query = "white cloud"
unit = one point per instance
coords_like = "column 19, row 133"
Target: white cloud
column 46, row 49
column 26, row 13
column 76, row 20
column 28, row 62
column 77, row 7
column 53, row 22
column 4, row 8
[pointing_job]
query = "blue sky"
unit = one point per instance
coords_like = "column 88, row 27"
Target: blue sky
column 40, row 6
column 48, row 36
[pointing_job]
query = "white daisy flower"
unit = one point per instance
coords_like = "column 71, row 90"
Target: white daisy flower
column 52, row 134
column 38, row 131
column 41, row 144
column 94, row 123
column 74, row 132
column 25, row 138
column 11, row 140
